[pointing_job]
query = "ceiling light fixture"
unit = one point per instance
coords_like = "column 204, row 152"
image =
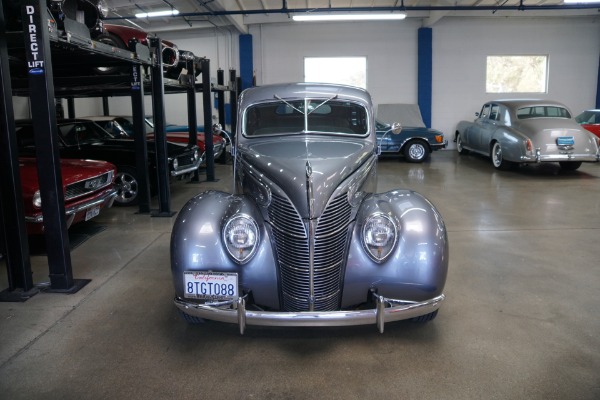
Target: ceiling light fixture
column 165, row 13
column 349, row 17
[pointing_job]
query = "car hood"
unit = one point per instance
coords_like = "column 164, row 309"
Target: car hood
column 71, row 171
column 291, row 163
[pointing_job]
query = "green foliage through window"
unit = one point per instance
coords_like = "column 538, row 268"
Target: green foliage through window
column 516, row 74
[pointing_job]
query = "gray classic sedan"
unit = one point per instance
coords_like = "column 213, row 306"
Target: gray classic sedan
column 304, row 240
column 514, row 132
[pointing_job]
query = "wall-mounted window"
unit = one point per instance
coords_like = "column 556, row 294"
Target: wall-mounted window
column 517, row 74
column 344, row 70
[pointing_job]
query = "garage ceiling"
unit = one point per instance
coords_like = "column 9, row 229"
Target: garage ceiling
column 238, row 14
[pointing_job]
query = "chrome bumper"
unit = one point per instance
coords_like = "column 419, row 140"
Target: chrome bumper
column 187, row 170
column 539, row 157
column 108, row 197
column 386, row 310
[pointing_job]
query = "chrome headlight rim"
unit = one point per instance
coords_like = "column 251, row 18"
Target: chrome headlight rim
column 37, row 199
column 387, row 249
column 241, row 255
column 175, row 164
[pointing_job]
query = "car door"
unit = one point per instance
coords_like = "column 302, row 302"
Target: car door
column 473, row 134
column 488, row 126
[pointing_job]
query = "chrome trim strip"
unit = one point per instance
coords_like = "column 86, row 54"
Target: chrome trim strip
column 387, row 310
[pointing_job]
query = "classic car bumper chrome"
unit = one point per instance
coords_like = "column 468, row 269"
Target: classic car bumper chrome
column 539, row 157
column 386, row 310
column 107, row 199
column 187, row 170
column 439, row 146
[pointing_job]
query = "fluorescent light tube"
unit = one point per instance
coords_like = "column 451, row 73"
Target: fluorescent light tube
column 165, row 13
column 581, row 1
column 348, row 17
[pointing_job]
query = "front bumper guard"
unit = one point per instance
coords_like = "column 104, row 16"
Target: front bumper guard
column 107, row 199
column 386, row 310
column 187, row 170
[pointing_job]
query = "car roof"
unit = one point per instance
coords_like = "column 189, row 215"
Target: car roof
column 519, row 103
column 260, row 94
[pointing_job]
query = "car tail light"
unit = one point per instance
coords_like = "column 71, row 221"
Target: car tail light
column 529, row 145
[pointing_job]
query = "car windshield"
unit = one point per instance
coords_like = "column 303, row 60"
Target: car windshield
column 543, row 112
column 77, row 133
column 306, row 115
column 588, row 117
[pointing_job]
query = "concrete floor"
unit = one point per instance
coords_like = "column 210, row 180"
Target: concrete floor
column 520, row 320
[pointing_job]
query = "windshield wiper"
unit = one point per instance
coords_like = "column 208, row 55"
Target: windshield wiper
column 289, row 104
column 324, row 101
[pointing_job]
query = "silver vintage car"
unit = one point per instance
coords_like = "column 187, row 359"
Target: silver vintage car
column 304, row 240
column 514, row 132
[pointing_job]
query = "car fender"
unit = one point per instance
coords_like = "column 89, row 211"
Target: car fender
column 511, row 142
column 197, row 245
column 417, row 267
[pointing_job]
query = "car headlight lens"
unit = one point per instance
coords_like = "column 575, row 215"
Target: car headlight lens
column 379, row 236
column 196, row 155
column 175, row 164
column 37, row 199
column 240, row 236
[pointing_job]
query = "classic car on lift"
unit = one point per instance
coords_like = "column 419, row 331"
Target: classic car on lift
column 590, row 120
column 415, row 143
column 84, row 139
column 304, row 239
column 514, row 132
column 122, row 127
column 87, row 188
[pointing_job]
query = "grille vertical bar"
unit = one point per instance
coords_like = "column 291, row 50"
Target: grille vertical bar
column 292, row 248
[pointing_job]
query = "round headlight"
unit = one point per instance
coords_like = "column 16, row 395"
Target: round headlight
column 379, row 236
column 37, row 199
column 196, row 154
column 240, row 236
column 175, row 164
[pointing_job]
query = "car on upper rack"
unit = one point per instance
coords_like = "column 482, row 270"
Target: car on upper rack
column 87, row 189
column 84, row 139
column 514, row 132
column 414, row 143
column 122, row 127
column 590, row 120
column 305, row 239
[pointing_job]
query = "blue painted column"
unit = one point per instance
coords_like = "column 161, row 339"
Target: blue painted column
column 425, row 63
column 598, row 88
column 246, row 63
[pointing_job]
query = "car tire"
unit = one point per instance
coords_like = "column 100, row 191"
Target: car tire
column 190, row 319
column 126, row 183
column 416, row 151
column 459, row 145
column 114, row 41
column 570, row 165
column 497, row 160
column 425, row 318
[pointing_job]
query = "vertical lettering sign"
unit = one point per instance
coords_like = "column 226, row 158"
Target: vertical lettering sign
column 135, row 77
column 33, row 48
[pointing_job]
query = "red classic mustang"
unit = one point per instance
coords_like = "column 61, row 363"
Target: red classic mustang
column 87, row 186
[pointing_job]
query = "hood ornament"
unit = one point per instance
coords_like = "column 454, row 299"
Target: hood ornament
column 309, row 190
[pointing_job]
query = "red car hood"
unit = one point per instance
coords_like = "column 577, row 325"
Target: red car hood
column 71, row 171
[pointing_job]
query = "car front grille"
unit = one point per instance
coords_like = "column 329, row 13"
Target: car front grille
column 81, row 188
column 292, row 246
column 185, row 160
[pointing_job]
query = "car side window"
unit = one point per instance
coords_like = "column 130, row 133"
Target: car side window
column 485, row 111
column 495, row 112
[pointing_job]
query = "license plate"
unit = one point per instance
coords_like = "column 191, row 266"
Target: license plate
column 210, row 285
column 91, row 213
column 565, row 141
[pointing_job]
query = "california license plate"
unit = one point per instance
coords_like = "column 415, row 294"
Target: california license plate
column 210, row 285
column 91, row 213
column 565, row 141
